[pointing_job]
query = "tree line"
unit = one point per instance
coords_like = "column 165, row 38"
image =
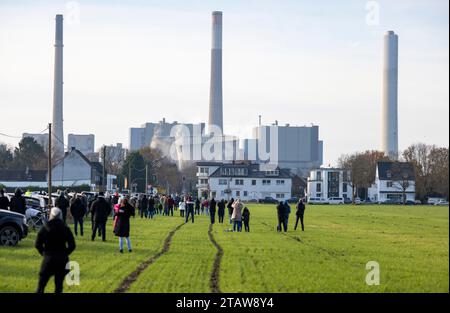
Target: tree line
column 28, row 153
column 430, row 168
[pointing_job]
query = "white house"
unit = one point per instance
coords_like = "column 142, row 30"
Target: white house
column 75, row 169
column 328, row 183
column 392, row 181
column 242, row 180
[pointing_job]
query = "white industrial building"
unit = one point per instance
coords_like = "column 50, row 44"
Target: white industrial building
column 297, row 148
column 392, row 181
column 327, row 183
column 242, row 180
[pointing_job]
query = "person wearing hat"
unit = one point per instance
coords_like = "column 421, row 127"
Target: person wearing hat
column 55, row 242
column 17, row 203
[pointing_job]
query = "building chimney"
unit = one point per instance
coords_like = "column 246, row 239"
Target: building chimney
column 389, row 136
column 215, row 93
column 57, row 123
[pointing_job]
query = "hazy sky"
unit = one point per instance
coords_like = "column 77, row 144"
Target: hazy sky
column 298, row 62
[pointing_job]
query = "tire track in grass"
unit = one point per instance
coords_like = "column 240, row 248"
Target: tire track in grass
column 214, row 280
column 330, row 252
column 126, row 283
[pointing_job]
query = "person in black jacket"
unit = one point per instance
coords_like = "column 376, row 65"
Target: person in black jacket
column 17, row 203
column 300, row 213
column 143, row 206
column 230, row 208
column 197, row 206
column 55, row 243
column 281, row 216
column 221, row 210
column 246, row 219
column 78, row 210
column 151, row 206
column 63, row 204
column 122, row 227
column 4, row 201
column 100, row 211
column 212, row 210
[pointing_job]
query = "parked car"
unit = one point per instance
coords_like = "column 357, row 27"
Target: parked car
column 441, row 202
column 268, row 200
column 417, row 202
column 357, row 201
column 347, row 201
column 13, row 228
column 336, row 200
column 317, row 201
column 293, row 200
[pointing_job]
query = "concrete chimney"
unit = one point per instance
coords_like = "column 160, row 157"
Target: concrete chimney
column 389, row 139
column 57, row 124
column 215, row 96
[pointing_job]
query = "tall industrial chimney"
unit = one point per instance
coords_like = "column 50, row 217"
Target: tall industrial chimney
column 57, row 125
column 389, row 141
column 215, row 96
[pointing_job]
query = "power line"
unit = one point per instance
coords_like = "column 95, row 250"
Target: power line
column 20, row 137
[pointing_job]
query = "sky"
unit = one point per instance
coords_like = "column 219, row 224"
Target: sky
column 297, row 62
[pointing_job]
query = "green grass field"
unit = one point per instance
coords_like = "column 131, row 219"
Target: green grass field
column 411, row 245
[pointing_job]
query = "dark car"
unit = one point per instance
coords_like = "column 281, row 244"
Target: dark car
column 293, row 200
column 268, row 200
column 13, row 228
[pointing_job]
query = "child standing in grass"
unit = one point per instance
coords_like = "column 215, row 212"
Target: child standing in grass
column 246, row 219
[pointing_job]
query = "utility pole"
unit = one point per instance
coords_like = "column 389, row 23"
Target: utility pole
column 103, row 170
column 146, row 178
column 49, row 182
column 129, row 176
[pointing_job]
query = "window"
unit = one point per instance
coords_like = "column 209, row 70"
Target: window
column 319, row 195
column 318, row 187
column 223, row 182
column 203, row 181
column 280, row 195
column 239, row 182
column 204, row 170
column 344, row 187
column 266, row 182
column 280, row 181
column 388, row 174
column 389, row 184
column 254, row 182
column 245, row 193
column 238, row 193
column 319, row 175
